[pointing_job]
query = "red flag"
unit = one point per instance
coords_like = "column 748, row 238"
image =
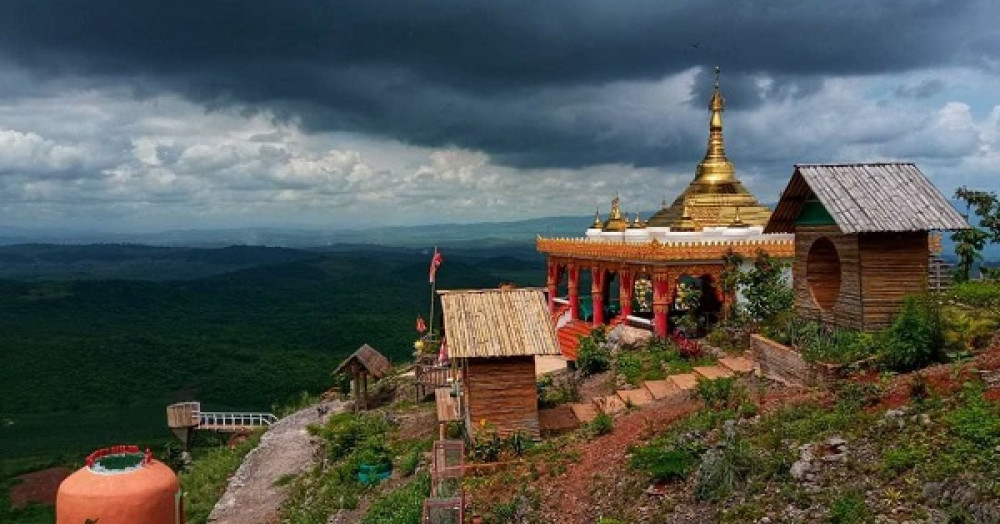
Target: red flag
column 435, row 262
column 421, row 326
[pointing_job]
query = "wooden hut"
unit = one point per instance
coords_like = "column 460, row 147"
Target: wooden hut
column 364, row 363
column 861, row 238
column 493, row 337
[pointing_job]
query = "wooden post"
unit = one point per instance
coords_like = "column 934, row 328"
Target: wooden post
column 552, row 282
column 661, row 302
column 597, row 294
column 574, row 291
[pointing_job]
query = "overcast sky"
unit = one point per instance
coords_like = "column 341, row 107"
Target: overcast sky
column 138, row 115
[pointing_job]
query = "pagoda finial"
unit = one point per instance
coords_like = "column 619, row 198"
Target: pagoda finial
column 616, row 210
column 597, row 220
column 715, row 167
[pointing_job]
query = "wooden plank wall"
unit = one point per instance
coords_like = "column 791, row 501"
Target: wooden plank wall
column 503, row 391
column 893, row 265
column 847, row 311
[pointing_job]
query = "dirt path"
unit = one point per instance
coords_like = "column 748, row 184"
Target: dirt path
column 569, row 496
column 286, row 448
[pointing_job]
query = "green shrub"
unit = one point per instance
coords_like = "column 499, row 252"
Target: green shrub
column 915, row 338
column 593, row 356
column 900, row 459
column 849, row 508
column 720, row 393
column 856, row 395
column 977, row 294
column 602, row 424
column 629, row 365
column 410, row 462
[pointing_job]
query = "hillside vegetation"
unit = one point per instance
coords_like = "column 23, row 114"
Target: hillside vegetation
column 105, row 356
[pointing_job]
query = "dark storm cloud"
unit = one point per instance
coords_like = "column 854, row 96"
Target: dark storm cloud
column 470, row 73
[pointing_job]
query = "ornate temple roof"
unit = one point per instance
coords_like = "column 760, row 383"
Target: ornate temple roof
column 714, row 196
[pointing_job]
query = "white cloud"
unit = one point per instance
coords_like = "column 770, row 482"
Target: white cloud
column 103, row 159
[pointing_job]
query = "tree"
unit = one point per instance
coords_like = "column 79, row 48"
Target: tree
column 969, row 243
column 765, row 289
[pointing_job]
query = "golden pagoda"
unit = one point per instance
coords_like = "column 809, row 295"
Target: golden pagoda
column 616, row 222
column 715, row 198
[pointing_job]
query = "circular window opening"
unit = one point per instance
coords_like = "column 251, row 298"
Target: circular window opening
column 823, row 273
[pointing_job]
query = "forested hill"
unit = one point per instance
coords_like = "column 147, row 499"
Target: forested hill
column 243, row 339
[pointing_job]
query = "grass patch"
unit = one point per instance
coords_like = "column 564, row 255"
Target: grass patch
column 205, row 481
column 402, row 506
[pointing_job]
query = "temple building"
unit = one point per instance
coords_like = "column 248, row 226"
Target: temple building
column 641, row 270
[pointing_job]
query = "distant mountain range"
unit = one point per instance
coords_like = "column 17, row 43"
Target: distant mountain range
column 468, row 236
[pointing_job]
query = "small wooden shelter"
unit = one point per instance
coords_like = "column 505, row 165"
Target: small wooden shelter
column 364, row 363
column 493, row 337
column 861, row 238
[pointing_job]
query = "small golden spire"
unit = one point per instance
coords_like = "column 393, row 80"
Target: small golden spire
column 738, row 220
column 715, row 167
column 616, row 222
column 637, row 223
column 687, row 223
column 597, row 220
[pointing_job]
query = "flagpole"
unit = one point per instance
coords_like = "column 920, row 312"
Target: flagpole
column 430, row 327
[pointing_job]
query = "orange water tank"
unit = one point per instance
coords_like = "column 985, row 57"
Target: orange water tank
column 120, row 485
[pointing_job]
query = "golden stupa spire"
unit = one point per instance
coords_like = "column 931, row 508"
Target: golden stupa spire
column 715, row 192
column 597, row 220
column 715, row 167
column 616, row 222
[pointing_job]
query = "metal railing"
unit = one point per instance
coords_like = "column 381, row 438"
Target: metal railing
column 235, row 420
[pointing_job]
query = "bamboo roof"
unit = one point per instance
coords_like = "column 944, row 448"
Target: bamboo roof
column 861, row 198
column 498, row 323
column 374, row 363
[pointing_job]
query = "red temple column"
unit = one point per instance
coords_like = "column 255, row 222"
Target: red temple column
column 661, row 302
column 552, row 282
column 574, row 291
column 626, row 287
column 597, row 294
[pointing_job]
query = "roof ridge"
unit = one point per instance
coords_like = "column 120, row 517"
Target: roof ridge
column 855, row 164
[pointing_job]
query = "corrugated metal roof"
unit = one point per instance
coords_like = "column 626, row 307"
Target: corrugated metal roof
column 498, row 323
column 882, row 197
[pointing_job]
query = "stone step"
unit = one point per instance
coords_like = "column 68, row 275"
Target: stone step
column 584, row 411
column 660, row 389
column 713, row 372
column 611, row 404
column 635, row 397
column 739, row 365
column 684, row 381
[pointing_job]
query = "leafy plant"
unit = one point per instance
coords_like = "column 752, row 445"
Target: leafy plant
column 765, row 289
column 593, row 355
column 629, row 365
column 719, row 393
column 602, row 424
column 914, row 340
column 849, row 508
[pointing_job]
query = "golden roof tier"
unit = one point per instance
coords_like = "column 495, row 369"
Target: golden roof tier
column 715, row 198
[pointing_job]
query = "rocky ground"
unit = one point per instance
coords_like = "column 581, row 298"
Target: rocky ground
column 252, row 496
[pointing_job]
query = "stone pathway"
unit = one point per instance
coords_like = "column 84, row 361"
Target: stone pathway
column 673, row 389
column 286, row 448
